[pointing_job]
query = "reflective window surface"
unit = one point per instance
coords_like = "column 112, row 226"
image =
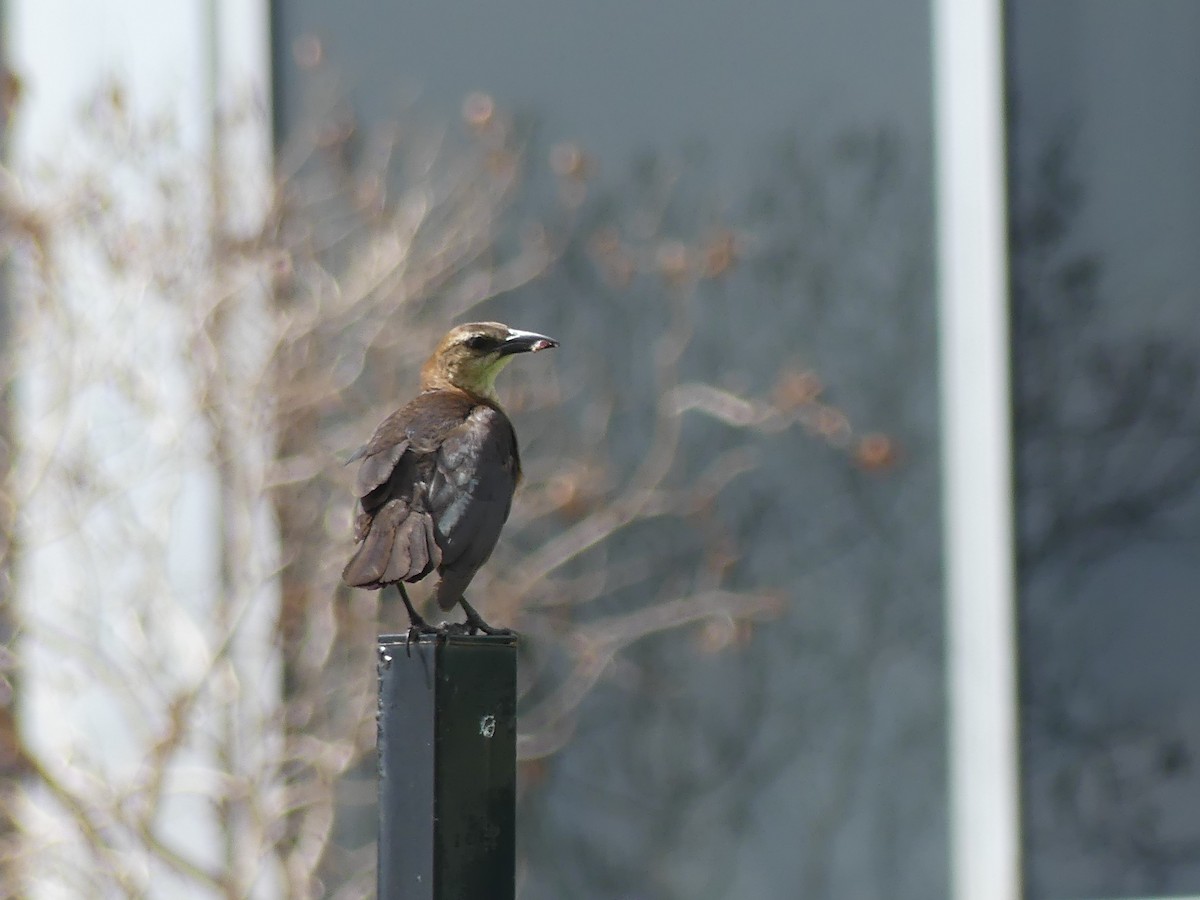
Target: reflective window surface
column 807, row 758
column 1105, row 181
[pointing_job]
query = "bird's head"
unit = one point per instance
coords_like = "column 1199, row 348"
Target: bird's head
column 470, row 356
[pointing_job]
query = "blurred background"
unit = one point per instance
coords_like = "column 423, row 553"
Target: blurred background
column 814, row 603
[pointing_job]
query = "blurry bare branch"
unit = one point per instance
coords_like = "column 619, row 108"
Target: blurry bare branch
column 213, row 380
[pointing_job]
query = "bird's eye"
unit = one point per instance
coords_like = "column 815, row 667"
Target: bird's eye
column 479, row 342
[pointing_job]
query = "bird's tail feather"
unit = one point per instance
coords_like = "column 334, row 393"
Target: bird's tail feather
column 398, row 545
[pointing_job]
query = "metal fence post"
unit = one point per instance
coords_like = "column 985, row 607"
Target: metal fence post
column 447, row 767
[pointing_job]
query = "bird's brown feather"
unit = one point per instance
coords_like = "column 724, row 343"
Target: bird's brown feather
column 435, row 484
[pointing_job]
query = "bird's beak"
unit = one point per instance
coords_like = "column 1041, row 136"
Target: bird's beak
column 525, row 342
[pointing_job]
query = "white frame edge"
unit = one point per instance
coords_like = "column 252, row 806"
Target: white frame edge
column 972, row 239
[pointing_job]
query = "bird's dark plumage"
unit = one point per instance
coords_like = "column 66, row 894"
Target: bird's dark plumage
column 436, row 484
column 436, row 480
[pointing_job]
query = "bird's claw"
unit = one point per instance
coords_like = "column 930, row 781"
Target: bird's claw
column 417, row 629
column 473, row 628
column 488, row 629
column 417, row 626
column 475, row 623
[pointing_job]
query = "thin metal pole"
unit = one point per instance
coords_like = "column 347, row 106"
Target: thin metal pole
column 447, row 767
column 975, row 348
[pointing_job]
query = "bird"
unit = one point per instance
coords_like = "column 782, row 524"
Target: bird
column 436, row 480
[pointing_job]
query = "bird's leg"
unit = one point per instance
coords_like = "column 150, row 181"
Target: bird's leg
column 414, row 618
column 416, row 625
column 475, row 621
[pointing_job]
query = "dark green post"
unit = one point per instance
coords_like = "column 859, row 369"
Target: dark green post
column 447, row 767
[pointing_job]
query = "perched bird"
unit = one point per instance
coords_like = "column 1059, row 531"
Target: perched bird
column 436, row 480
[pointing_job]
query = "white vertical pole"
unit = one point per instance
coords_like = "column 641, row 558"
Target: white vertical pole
column 976, row 447
column 92, row 720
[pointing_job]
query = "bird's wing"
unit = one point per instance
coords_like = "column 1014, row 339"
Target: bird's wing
column 395, row 530
column 421, row 425
column 376, row 468
column 476, row 471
